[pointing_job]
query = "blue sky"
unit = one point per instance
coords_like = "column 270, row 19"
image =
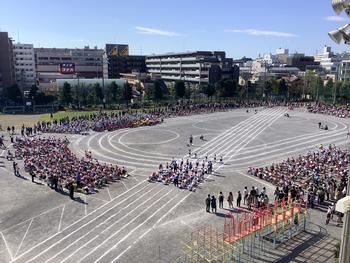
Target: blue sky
column 157, row 26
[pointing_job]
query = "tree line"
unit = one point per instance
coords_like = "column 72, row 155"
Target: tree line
column 309, row 87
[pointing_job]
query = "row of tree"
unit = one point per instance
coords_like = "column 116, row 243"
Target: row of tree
column 311, row 87
column 94, row 95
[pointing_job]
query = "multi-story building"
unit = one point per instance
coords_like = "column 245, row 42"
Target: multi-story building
column 198, row 67
column 23, row 55
column 329, row 61
column 65, row 63
column 7, row 72
column 117, row 60
column 299, row 60
column 344, row 70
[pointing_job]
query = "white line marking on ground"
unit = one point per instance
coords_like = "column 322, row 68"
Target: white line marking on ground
column 25, row 234
column 85, row 205
column 115, row 233
column 113, row 215
column 7, row 247
column 38, row 244
column 109, row 194
column 257, row 180
column 121, row 254
column 43, row 213
column 59, row 224
column 125, row 185
column 134, row 229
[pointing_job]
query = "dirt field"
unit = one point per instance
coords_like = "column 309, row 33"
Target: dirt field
column 18, row 120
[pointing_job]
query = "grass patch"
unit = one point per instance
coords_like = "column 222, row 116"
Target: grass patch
column 70, row 114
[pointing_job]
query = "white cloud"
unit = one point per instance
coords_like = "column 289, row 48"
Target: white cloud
column 77, row 40
column 256, row 32
column 153, row 31
column 334, row 18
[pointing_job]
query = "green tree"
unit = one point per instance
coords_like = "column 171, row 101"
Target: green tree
column 158, row 91
column 227, row 88
column 345, row 91
column 42, row 99
column 209, row 90
column 283, row 88
column 113, row 90
column 251, row 89
column 150, row 91
column 33, row 91
column 312, row 86
column 180, row 90
column 98, row 93
column 127, row 92
column 267, row 88
column 329, row 90
column 13, row 93
column 65, row 93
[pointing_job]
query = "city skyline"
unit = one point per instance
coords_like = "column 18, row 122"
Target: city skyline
column 176, row 26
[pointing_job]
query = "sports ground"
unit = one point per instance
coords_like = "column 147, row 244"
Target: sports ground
column 136, row 221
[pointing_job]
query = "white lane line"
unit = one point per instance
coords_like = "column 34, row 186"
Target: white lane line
column 25, row 234
column 7, row 247
column 248, row 133
column 135, row 228
column 289, row 145
column 150, row 229
column 60, row 223
column 124, row 185
column 102, row 223
column 241, row 132
column 252, row 137
column 177, row 135
column 284, row 153
column 85, row 205
column 125, row 225
column 220, row 140
column 121, row 254
column 288, row 140
column 43, row 213
column 133, row 177
column 257, row 180
column 82, row 226
column 80, row 248
column 109, row 194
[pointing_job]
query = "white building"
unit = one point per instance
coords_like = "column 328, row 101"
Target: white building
column 329, row 61
column 344, row 70
column 24, row 61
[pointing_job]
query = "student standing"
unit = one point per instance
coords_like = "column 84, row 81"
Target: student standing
column 207, row 204
column 239, row 199
column 221, row 200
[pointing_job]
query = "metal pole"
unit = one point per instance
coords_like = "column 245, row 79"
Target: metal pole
column 334, row 91
column 344, row 254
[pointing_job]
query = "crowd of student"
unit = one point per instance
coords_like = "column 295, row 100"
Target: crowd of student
column 252, row 198
column 338, row 111
column 51, row 160
column 318, row 176
column 111, row 121
column 185, row 174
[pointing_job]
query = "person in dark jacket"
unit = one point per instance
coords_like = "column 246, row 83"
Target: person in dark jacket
column 71, row 190
column 207, row 204
column 213, row 204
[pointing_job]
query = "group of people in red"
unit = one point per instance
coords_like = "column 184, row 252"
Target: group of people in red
column 51, row 160
column 334, row 110
column 319, row 176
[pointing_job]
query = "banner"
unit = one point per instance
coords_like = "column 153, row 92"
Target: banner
column 67, row 68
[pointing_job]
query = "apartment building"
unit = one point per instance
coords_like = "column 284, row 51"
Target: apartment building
column 198, row 67
column 24, row 64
